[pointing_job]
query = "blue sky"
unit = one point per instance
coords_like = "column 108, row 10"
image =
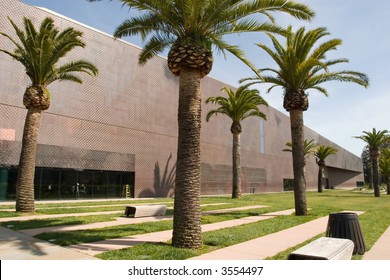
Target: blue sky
column 362, row 25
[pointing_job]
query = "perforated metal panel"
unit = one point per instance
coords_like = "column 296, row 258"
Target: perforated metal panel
column 116, row 121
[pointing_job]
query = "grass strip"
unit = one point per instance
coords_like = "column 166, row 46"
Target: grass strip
column 212, row 240
column 65, row 221
column 85, row 236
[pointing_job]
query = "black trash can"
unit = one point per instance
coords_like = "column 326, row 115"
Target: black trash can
column 346, row 225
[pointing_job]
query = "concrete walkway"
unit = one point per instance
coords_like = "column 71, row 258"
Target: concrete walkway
column 381, row 248
column 18, row 246
column 98, row 247
column 270, row 245
column 127, row 221
column 51, row 216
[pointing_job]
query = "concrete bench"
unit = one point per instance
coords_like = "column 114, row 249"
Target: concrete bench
column 145, row 210
column 324, row 248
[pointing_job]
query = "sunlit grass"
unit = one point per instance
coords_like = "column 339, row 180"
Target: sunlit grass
column 373, row 222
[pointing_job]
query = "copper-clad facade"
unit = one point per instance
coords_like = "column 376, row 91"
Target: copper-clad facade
column 125, row 121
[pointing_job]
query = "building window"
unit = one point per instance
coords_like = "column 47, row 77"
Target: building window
column 262, row 137
column 66, row 183
column 288, row 184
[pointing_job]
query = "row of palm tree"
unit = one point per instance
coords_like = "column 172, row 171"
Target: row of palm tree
column 384, row 166
column 321, row 152
column 190, row 30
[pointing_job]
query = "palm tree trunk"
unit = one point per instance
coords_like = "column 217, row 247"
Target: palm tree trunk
column 26, row 170
column 236, row 192
column 320, row 176
column 297, row 140
column 187, row 232
column 375, row 176
column 388, row 185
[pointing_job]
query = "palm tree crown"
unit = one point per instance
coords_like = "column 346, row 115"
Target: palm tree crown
column 202, row 23
column 322, row 152
column 239, row 105
column 309, row 147
column 303, row 66
column 40, row 51
column 375, row 138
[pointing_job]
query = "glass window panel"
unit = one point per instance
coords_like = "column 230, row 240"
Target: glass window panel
column 68, row 183
column 114, row 184
column 49, row 183
column 127, row 182
column 11, row 190
column 262, row 137
column 85, row 184
column 37, row 182
column 99, row 184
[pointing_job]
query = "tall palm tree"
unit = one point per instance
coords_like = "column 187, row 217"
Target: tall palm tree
column 40, row 52
column 302, row 66
column 321, row 153
column 190, row 29
column 374, row 140
column 239, row 105
column 384, row 166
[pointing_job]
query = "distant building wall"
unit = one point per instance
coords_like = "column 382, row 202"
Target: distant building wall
column 129, row 114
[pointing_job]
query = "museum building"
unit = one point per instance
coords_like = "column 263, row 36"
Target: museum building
column 115, row 135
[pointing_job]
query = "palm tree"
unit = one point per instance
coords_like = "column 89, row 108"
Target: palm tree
column 384, row 166
column 40, row 51
column 321, row 153
column 308, row 149
column 302, row 66
column 239, row 105
column 190, row 29
column 374, row 140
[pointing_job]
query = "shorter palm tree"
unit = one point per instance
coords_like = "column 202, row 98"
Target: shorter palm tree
column 41, row 52
column 309, row 147
column 384, row 166
column 238, row 106
column 321, row 153
column 308, row 150
column 374, row 140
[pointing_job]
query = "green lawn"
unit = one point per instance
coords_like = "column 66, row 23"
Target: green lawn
column 374, row 222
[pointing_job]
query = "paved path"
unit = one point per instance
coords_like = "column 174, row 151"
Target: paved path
column 98, row 247
column 270, row 245
column 18, row 246
column 51, row 216
column 381, row 248
column 126, row 221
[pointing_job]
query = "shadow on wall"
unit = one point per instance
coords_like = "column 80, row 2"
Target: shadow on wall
column 163, row 185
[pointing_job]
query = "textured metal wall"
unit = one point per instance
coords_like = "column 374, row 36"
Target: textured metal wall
column 129, row 115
